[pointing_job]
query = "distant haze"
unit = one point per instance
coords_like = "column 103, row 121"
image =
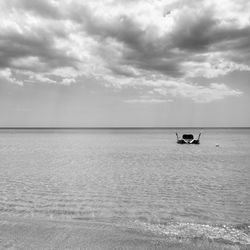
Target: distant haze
column 124, row 63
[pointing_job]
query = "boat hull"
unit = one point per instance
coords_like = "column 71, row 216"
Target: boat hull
column 188, row 142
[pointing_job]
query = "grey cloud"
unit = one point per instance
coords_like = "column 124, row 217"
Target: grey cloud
column 121, row 70
column 165, row 66
column 139, row 61
column 142, row 49
column 206, row 34
column 39, row 44
column 237, row 47
column 42, row 8
column 194, row 34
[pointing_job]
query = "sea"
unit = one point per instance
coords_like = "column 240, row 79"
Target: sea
column 137, row 178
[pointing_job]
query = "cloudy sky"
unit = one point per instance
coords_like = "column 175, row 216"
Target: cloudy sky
column 124, row 63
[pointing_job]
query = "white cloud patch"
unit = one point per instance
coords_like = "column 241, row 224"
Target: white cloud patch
column 199, row 94
column 7, row 76
column 68, row 81
column 144, row 100
column 156, row 44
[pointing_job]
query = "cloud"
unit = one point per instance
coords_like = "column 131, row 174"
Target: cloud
column 168, row 44
column 44, row 44
column 45, row 8
column 199, row 94
column 7, row 76
column 147, row 101
column 127, row 43
column 68, row 81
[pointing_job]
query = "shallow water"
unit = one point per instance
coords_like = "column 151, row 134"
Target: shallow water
column 138, row 178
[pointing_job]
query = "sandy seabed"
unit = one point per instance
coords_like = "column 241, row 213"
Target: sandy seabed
column 37, row 234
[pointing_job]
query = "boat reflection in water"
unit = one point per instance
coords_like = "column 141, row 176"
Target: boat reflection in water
column 188, row 139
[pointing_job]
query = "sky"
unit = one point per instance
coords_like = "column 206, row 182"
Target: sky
column 119, row 63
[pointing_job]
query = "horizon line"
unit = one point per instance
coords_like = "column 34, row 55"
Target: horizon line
column 131, row 127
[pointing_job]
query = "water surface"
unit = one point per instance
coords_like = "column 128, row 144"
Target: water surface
column 140, row 179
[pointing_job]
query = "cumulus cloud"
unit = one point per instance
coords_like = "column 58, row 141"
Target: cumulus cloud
column 127, row 43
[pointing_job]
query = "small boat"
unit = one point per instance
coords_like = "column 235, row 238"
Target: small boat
column 188, row 139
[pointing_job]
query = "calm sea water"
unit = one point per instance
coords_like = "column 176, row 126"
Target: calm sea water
column 140, row 179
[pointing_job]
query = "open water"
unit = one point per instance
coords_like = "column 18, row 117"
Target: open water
column 138, row 178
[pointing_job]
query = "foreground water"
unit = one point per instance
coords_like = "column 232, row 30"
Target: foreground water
column 139, row 179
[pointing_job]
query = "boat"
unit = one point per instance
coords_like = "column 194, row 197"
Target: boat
column 188, row 139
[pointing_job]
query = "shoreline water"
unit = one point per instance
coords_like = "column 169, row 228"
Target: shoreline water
column 17, row 233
